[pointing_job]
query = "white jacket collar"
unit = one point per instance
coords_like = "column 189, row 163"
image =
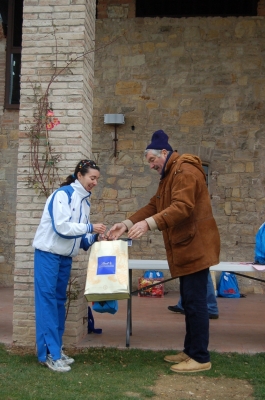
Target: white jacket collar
column 80, row 189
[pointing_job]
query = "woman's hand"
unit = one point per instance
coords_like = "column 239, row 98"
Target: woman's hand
column 116, row 231
column 138, row 230
column 99, row 228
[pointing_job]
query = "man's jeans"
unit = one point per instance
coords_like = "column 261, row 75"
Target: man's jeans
column 211, row 298
column 193, row 290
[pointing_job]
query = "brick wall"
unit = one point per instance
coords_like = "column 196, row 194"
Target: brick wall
column 52, row 35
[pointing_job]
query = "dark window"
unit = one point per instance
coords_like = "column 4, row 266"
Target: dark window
column 3, row 13
column 13, row 53
column 195, row 8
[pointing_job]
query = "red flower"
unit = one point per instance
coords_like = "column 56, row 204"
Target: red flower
column 51, row 122
column 49, row 126
column 55, row 121
column 50, row 113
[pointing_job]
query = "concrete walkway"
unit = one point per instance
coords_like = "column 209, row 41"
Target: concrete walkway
column 240, row 328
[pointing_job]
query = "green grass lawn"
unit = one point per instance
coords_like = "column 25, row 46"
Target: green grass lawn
column 112, row 374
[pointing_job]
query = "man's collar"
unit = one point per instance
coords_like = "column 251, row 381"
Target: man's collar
column 163, row 170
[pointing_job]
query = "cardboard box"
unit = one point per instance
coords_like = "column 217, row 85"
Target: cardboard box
column 155, row 291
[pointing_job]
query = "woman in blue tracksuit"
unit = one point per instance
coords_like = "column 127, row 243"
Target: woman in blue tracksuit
column 64, row 228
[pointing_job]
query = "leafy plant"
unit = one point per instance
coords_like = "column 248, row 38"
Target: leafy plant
column 43, row 157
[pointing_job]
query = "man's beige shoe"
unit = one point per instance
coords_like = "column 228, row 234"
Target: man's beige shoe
column 190, row 365
column 176, row 358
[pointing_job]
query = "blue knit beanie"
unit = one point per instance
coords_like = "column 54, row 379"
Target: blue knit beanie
column 159, row 141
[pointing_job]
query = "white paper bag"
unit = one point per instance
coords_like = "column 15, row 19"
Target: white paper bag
column 108, row 271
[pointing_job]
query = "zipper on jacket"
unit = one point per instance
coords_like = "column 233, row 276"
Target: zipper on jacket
column 80, row 211
column 80, row 215
column 81, row 206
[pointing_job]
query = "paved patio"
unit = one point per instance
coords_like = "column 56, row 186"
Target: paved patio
column 240, row 327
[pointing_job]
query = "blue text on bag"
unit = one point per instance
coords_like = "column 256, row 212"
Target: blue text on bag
column 106, row 265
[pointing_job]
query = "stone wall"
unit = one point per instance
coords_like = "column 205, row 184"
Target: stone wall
column 202, row 80
column 55, row 38
column 8, row 172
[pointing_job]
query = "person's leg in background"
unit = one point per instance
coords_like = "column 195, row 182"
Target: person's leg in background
column 179, row 305
column 177, row 308
column 211, row 299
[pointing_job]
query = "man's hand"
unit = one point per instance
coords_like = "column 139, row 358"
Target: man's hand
column 99, row 228
column 116, row 231
column 138, row 230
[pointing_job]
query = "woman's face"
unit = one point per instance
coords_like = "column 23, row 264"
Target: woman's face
column 89, row 180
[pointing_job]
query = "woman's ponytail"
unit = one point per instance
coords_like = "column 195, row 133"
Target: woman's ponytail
column 70, row 179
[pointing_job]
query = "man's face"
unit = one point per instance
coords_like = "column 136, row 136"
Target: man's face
column 155, row 162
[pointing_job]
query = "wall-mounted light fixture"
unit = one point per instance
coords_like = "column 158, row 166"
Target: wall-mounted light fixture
column 114, row 119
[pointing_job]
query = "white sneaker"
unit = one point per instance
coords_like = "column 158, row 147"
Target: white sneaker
column 58, row 365
column 66, row 359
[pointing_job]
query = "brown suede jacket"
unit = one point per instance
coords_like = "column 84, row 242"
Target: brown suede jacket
column 181, row 209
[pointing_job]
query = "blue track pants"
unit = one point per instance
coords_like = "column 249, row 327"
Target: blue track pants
column 51, row 276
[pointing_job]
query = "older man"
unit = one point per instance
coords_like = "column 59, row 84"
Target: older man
column 181, row 210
